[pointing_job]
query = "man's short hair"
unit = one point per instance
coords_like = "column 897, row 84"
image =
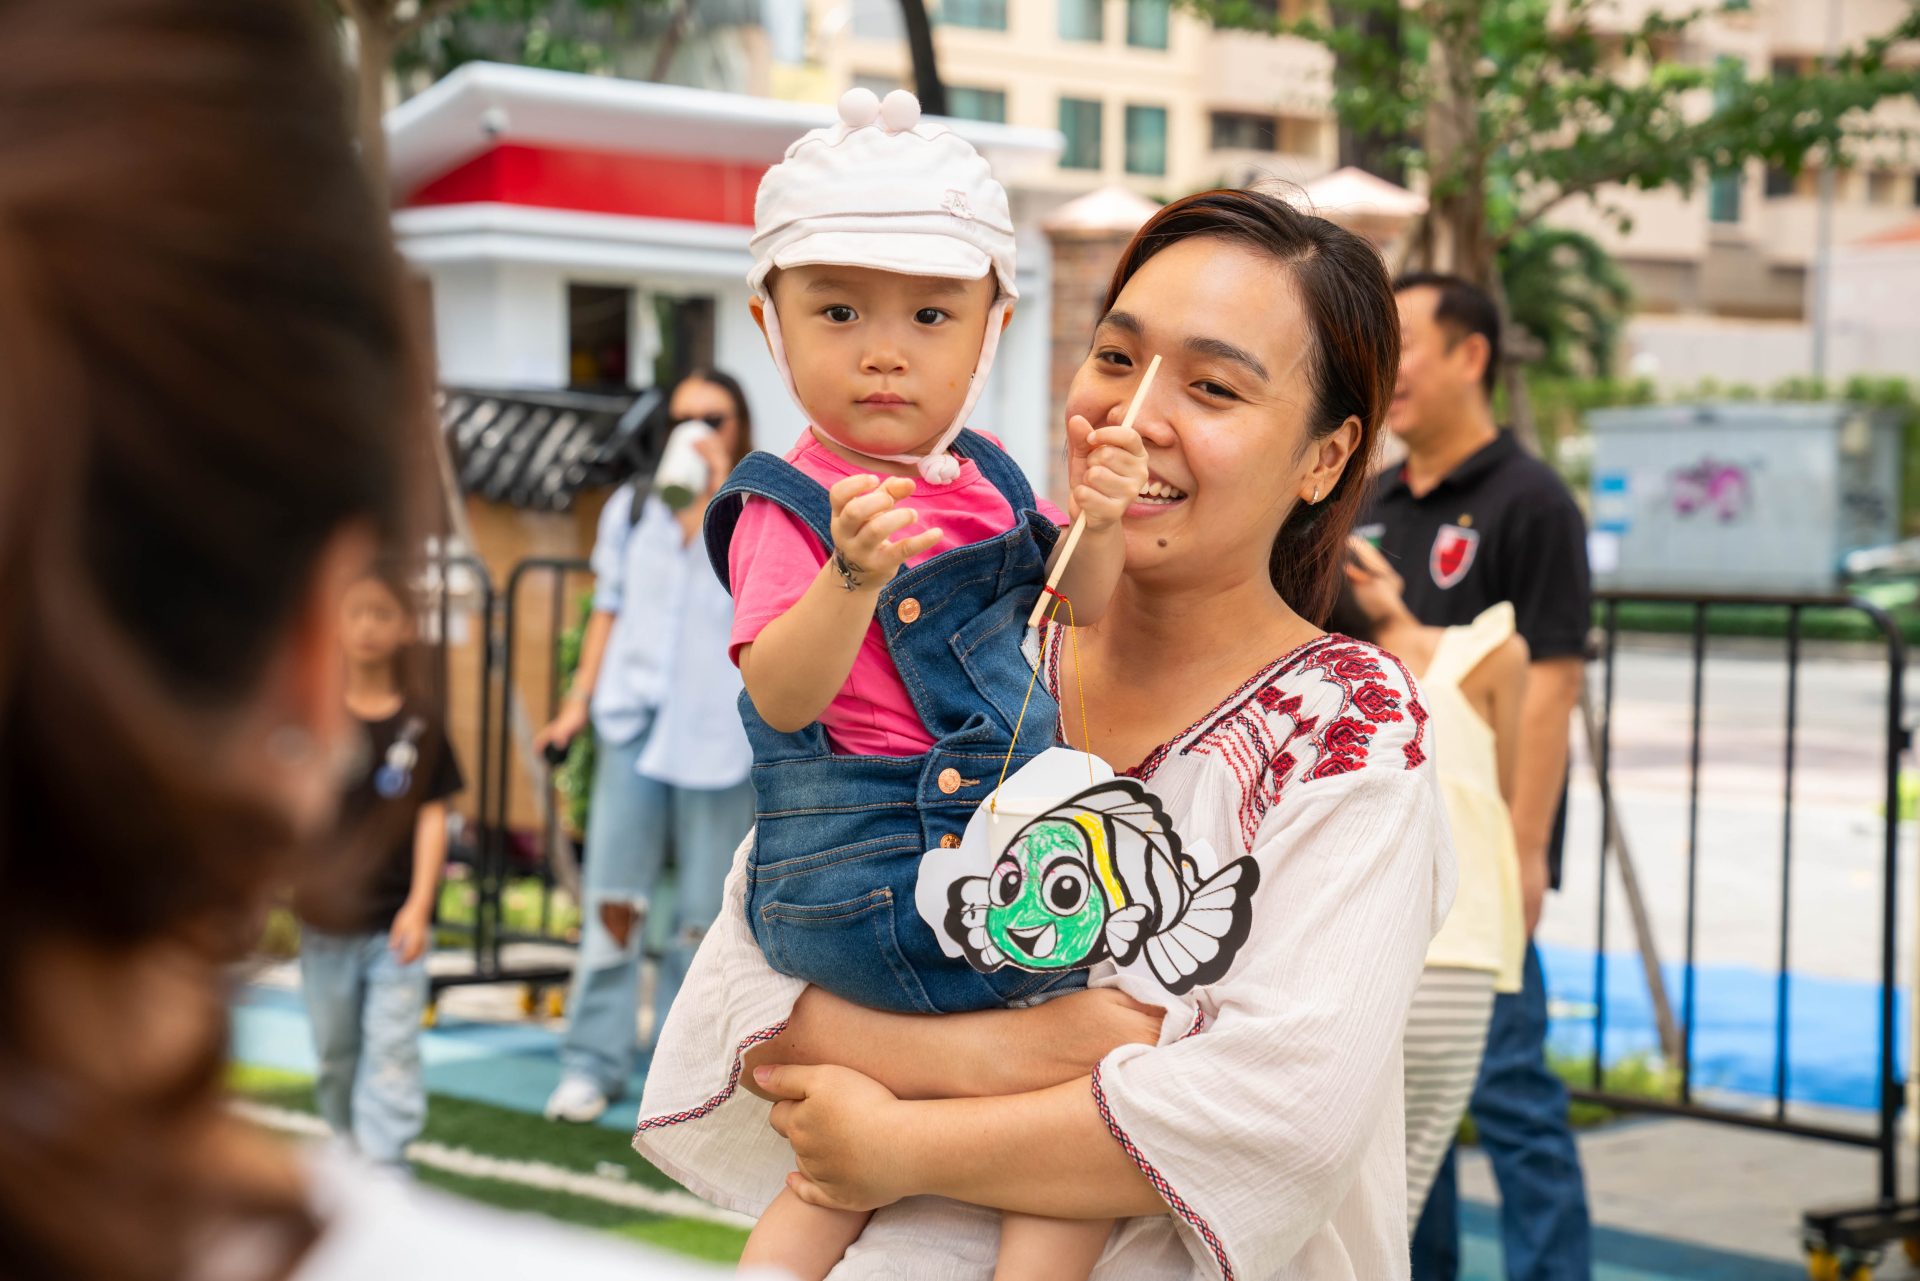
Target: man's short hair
column 1464, row 309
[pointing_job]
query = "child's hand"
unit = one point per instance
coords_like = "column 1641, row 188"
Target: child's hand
column 1107, row 467
column 864, row 520
column 407, row 939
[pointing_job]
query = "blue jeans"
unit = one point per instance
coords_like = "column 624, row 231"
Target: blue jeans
column 629, row 825
column 365, row 1008
column 833, row 876
column 1520, row 1110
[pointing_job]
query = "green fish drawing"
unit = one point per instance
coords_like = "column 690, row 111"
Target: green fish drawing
column 1102, row 877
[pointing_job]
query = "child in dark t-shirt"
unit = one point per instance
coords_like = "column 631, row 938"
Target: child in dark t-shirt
column 362, row 958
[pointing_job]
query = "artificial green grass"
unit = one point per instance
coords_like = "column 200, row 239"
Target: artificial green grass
column 712, row 1241
column 504, row 1133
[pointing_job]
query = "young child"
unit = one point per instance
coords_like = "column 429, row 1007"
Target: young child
column 362, row 948
column 882, row 586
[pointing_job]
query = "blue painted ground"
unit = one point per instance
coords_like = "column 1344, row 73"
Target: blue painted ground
column 1833, row 1046
column 1833, row 1036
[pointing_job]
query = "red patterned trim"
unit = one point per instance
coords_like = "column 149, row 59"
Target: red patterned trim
column 733, row 1083
column 1050, row 666
column 1173, row 1199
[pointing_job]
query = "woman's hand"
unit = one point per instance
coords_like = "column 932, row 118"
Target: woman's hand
column 566, row 724
column 845, row 1132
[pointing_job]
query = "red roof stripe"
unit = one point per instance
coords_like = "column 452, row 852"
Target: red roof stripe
column 608, row 182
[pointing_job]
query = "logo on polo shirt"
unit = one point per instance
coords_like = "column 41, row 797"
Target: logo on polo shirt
column 1452, row 555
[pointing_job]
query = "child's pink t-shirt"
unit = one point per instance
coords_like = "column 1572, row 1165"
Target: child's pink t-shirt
column 775, row 558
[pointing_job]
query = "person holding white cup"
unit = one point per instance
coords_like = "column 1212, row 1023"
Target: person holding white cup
column 655, row 688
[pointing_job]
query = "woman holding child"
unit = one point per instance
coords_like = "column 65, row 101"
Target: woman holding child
column 1250, row 1125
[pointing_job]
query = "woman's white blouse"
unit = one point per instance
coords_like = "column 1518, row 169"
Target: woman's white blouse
column 666, row 663
column 1270, row 1115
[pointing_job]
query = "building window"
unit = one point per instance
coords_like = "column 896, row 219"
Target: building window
column 1239, row 131
column 977, row 104
column 1916, row 189
column 1083, row 20
column 599, row 331
column 1080, row 121
column 1147, row 22
column 1147, row 140
column 986, row 15
column 1779, row 182
column 1723, row 197
column 1883, row 187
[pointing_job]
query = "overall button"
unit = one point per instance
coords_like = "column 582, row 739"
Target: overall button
column 949, row 842
column 909, row 612
column 949, row 781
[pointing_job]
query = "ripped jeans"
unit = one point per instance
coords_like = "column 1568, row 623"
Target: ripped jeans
column 630, row 825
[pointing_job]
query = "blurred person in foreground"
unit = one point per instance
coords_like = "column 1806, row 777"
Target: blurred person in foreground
column 363, row 945
column 1474, row 678
column 1468, row 521
column 206, row 390
column 671, row 759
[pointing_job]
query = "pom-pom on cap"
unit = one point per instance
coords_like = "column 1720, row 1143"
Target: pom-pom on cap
column 860, row 107
column 899, row 111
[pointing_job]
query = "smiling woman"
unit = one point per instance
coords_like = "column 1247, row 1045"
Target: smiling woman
column 1249, row 1123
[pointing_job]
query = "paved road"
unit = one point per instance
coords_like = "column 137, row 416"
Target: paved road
column 1839, row 792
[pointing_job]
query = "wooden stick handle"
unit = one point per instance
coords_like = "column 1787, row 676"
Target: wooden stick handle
column 1080, row 521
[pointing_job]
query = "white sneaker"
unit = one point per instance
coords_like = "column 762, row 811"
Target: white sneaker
column 576, row 1099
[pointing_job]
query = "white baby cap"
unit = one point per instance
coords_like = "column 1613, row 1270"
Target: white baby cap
column 882, row 190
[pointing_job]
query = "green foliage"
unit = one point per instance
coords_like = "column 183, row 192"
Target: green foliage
column 1568, row 292
column 1567, row 104
column 574, row 779
column 559, row 35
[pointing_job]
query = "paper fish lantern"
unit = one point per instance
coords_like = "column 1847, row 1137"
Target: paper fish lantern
column 1054, row 873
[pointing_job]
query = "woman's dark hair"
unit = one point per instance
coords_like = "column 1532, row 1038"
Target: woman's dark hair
column 1355, row 329
column 205, row 376
column 742, row 416
column 1347, row 618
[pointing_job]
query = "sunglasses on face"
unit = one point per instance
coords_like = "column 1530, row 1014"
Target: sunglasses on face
column 715, row 421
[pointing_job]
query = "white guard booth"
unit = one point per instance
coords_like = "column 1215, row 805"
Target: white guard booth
column 583, row 231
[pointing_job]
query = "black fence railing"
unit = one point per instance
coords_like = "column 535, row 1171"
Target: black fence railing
column 1845, row 1241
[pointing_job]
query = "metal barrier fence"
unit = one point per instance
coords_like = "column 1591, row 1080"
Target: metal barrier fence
column 496, row 699
column 1842, row 1243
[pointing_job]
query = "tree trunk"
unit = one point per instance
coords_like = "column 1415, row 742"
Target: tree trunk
column 1454, row 155
column 373, row 55
column 927, row 85
column 670, row 40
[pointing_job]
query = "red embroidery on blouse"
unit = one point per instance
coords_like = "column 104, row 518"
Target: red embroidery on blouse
column 1173, row 1199
column 733, row 1082
column 1258, row 731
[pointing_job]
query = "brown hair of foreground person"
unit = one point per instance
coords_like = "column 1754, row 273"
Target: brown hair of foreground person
column 204, row 378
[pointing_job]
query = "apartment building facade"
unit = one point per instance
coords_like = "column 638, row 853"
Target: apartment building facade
column 1147, row 96
column 1743, row 242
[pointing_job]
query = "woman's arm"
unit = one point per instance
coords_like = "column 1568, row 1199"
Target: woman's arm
column 946, row 1056
column 1046, row 1152
column 1261, row 1124
column 1504, row 673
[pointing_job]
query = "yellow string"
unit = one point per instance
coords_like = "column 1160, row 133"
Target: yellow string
column 1080, row 683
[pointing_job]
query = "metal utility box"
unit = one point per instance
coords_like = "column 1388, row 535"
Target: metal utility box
column 1740, row 496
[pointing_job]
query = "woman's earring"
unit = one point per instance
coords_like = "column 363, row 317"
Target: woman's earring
column 1316, row 495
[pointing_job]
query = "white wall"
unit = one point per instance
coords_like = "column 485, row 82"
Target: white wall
column 500, row 324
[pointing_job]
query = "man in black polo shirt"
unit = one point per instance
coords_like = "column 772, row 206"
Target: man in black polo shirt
column 1471, row 520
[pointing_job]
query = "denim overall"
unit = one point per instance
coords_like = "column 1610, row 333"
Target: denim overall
column 838, row 841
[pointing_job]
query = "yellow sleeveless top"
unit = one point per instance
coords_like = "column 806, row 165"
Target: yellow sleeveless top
column 1485, row 930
